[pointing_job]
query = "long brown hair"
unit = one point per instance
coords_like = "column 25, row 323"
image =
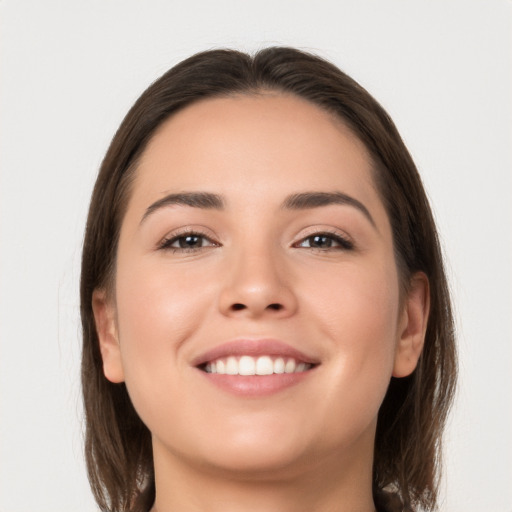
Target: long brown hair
column 412, row 416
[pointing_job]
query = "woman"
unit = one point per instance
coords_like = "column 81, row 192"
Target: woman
column 266, row 319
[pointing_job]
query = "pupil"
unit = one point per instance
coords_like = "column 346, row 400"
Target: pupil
column 189, row 241
column 321, row 241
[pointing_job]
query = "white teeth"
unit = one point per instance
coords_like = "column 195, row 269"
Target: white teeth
column 264, row 366
column 279, row 365
column 290, row 366
column 232, row 366
column 248, row 365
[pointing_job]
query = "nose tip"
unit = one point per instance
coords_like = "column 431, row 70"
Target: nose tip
column 258, row 287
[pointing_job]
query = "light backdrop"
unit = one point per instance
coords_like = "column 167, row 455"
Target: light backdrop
column 70, row 69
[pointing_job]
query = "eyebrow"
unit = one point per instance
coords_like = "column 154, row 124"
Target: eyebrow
column 300, row 201
column 203, row 200
column 306, row 200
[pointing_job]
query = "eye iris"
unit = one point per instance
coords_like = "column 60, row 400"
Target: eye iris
column 190, row 241
column 320, row 241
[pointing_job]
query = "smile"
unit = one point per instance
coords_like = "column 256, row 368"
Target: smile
column 262, row 365
column 253, row 368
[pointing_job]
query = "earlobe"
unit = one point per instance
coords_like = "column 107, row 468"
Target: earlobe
column 104, row 317
column 413, row 326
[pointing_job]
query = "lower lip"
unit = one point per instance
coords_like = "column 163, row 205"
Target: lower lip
column 256, row 385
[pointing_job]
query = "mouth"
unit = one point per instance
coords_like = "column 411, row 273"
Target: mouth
column 251, row 365
column 254, row 368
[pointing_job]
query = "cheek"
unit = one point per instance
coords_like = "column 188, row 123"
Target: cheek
column 157, row 311
column 357, row 313
column 357, row 302
column 151, row 297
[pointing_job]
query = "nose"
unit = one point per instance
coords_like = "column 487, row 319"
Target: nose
column 258, row 285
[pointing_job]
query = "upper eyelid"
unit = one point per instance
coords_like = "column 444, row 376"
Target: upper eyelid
column 313, row 230
column 182, row 232
column 193, row 229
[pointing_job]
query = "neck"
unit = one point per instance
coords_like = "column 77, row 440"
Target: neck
column 326, row 486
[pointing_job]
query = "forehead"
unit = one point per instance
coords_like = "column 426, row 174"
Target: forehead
column 254, row 146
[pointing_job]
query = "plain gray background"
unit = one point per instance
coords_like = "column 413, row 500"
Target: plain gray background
column 70, row 69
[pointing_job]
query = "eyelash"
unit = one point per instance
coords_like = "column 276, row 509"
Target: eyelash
column 166, row 243
column 344, row 244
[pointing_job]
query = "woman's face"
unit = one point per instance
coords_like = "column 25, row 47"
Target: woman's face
column 255, row 241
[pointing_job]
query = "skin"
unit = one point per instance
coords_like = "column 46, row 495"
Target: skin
column 310, row 446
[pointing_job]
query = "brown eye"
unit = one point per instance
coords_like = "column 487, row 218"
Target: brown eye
column 320, row 241
column 187, row 242
column 325, row 241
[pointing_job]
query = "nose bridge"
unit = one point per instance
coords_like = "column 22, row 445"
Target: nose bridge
column 257, row 281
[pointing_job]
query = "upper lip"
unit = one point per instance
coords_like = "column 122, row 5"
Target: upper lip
column 253, row 347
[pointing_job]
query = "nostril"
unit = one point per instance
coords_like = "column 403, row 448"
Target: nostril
column 274, row 306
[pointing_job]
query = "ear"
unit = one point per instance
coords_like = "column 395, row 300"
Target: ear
column 104, row 317
column 413, row 326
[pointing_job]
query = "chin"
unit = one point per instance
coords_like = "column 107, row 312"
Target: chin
column 256, row 462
